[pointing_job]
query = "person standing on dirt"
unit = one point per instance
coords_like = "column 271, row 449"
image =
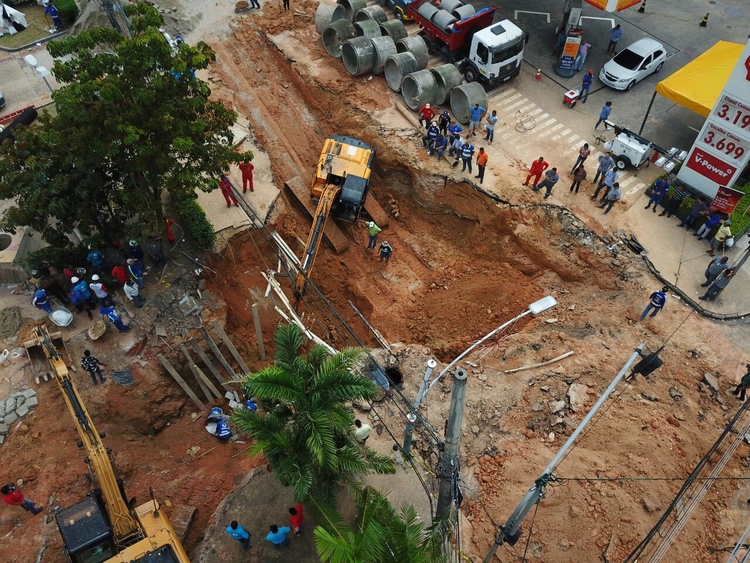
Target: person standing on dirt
column 583, row 154
column 489, row 128
column 15, row 498
column 719, row 285
column 82, row 287
column 475, row 116
column 426, row 114
column 101, row 291
column 96, row 259
column 715, row 268
column 578, row 176
column 120, row 273
column 135, row 271
column 80, row 302
column 454, row 131
column 225, row 185
column 444, row 121
column 385, row 251
column 372, row 235
column 482, row 158
column 133, row 293
column 135, row 251
column 90, row 364
column 277, row 536
column 41, row 301
column 246, row 166
column 254, row 4
column 235, row 530
column 658, row 191
column 467, row 153
column 286, row 4
column 153, row 249
column 114, row 316
column 605, row 163
column 658, row 300
column 550, row 179
column 296, row 518
column 362, row 431
column 612, row 196
column 537, row 169
column 743, row 385
column 588, row 80
column 604, row 115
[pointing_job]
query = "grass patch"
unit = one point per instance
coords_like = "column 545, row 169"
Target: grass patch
column 36, row 30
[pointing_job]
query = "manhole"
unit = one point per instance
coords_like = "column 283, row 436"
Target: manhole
column 394, row 374
column 5, row 240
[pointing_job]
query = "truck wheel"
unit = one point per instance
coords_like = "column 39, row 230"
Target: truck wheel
column 427, row 41
column 470, row 74
column 399, row 13
column 622, row 162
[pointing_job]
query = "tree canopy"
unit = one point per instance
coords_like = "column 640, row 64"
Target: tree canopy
column 132, row 120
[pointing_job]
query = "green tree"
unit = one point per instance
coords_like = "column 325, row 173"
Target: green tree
column 132, row 121
column 306, row 431
column 379, row 534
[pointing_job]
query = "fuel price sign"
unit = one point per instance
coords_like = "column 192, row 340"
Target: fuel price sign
column 733, row 112
column 722, row 141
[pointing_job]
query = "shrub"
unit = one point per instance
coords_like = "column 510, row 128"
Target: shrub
column 68, row 10
column 196, row 222
column 56, row 256
column 740, row 220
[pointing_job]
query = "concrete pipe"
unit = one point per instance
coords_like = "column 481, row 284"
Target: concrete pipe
column 464, row 11
column 327, row 13
column 335, row 34
column 384, row 48
column 368, row 28
column 447, row 77
column 464, row 97
column 395, row 29
column 397, row 66
column 374, row 13
column 428, row 11
column 415, row 45
column 443, row 19
column 358, row 55
column 450, row 5
column 419, row 88
column 352, row 7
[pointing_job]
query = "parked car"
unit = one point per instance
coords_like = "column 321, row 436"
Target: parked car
column 633, row 64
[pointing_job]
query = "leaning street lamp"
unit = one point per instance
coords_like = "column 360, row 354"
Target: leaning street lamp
column 39, row 70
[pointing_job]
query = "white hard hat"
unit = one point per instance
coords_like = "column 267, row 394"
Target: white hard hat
column 133, row 242
column 74, row 280
column 371, row 223
column 95, row 278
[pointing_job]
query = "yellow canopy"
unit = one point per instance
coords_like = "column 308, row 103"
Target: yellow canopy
column 613, row 5
column 698, row 84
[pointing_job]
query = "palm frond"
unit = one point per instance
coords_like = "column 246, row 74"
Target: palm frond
column 333, row 548
column 274, row 384
column 289, row 340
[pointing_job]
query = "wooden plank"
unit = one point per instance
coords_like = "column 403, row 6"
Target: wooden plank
column 193, row 367
column 232, row 349
column 181, row 382
column 181, row 518
column 332, row 233
column 217, row 352
column 208, row 363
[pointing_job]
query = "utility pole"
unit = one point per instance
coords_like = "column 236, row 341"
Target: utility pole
column 449, row 456
column 412, row 416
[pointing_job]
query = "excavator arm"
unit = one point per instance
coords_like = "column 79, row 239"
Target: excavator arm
column 325, row 203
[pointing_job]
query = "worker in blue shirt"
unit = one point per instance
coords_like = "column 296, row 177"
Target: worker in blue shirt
column 432, row 132
column 454, row 130
column 239, row 533
column 713, row 219
column 614, row 37
column 112, row 315
column 475, row 116
column 41, row 301
column 658, row 300
column 53, row 13
column 96, row 259
column 439, row 146
column 658, row 191
column 588, row 80
column 277, row 536
column 83, row 288
column 467, row 153
column 604, row 115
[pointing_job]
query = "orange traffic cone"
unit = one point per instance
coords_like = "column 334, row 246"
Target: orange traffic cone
column 538, row 76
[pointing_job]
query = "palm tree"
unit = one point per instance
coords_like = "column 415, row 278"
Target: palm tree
column 379, row 534
column 306, row 429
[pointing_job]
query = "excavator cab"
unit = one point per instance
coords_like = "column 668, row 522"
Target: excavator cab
column 85, row 532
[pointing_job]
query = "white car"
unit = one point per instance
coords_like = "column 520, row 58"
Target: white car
column 633, row 64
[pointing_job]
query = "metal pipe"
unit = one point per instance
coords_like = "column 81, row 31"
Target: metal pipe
column 412, row 416
column 648, row 110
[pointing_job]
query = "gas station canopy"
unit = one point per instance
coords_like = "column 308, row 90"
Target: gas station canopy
column 613, row 5
column 698, row 84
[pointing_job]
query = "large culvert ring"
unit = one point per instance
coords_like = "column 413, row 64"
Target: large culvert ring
column 327, row 13
column 368, row 28
column 352, row 7
column 397, row 66
column 447, row 77
column 374, row 13
column 358, row 55
column 463, row 99
column 419, row 88
column 415, row 45
column 395, row 29
column 384, row 48
column 335, row 34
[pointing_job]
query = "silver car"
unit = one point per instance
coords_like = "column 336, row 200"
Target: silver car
column 633, row 64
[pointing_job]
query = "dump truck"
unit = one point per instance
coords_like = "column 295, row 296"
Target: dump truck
column 484, row 52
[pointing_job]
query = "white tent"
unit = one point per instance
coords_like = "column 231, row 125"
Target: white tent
column 11, row 20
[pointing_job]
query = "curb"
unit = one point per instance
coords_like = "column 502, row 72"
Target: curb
column 32, row 43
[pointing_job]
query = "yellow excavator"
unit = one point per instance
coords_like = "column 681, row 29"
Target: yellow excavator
column 341, row 183
column 102, row 528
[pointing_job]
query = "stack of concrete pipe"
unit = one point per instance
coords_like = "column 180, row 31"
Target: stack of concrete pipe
column 327, row 13
column 362, row 55
column 464, row 97
column 335, row 34
column 457, row 8
column 447, row 77
column 428, row 11
column 419, row 88
column 415, row 45
column 374, row 13
column 351, row 7
column 444, row 19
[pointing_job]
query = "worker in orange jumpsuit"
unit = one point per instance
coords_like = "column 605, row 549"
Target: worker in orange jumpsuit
column 226, row 190
column 537, row 169
column 247, row 175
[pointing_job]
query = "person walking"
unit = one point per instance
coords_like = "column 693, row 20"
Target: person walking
column 713, row 220
column 41, row 301
column 15, row 498
column 583, row 154
column 743, row 385
column 225, row 185
column 482, row 158
column 236, row 531
column 120, row 273
column 454, row 131
column 578, row 176
column 715, row 269
column 467, row 153
column 362, row 431
column 101, row 291
column 550, row 179
column 79, row 301
column 247, row 167
column 277, row 536
column 426, row 113
column 113, row 316
column 444, row 121
column 441, row 144
column 385, row 251
column 674, row 203
column 135, row 271
column 583, row 50
column 489, row 129
column 604, row 115
column 605, row 163
column 718, row 286
column 133, row 293
column 428, row 140
column 475, row 116
column 658, row 300
column 609, row 180
column 613, row 196
column 721, row 237
column 536, row 170
column 296, row 518
column 700, row 207
column 90, row 364
column 658, row 191
column 614, row 36
column 588, row 80
column 82, row 287
column 372, row 235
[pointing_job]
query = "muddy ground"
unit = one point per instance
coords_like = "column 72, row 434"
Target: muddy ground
column 464, row 262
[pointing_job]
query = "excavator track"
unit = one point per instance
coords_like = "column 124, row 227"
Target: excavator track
column 332, row 233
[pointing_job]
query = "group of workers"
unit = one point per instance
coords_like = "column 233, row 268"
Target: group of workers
column 276, row 535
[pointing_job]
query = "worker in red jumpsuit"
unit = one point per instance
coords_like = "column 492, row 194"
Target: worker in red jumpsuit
column 247, row 175
column 426, row 115
column 537, row 169
column 226, row 190
column 15, row 498
column 168, row 222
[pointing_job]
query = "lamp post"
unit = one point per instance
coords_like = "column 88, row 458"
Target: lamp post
column 39, row 70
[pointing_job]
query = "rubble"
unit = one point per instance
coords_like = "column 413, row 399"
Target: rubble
column 15, row 406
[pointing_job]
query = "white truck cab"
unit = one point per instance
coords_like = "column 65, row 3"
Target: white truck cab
column 496, row 53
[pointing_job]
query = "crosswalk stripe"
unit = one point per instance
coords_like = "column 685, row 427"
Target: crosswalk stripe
column 513, row 106
column 539, row 127
column 502, row 94
column 508, row 100
column 562, row 134
column 635, row 189
column 550, row 131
